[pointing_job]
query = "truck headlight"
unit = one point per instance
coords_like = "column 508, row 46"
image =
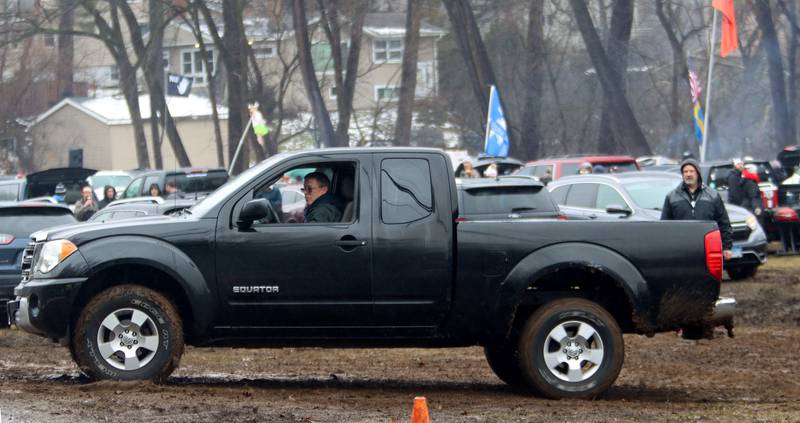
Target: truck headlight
column 751, row 222
column 53, row 253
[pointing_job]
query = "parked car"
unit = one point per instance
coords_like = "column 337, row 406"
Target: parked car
column 548, row 299
column 648, row 161
column 504, row 198
column 17, row 222
column 141, row 207
column 568, row 165
column 191, row 182
column 116, row 178
column 639, row 197
column 505, row 165
column 43, row 184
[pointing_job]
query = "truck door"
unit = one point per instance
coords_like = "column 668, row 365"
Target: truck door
column 412, row 239
column 311, row 275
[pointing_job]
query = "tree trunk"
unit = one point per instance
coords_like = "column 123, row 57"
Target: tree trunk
column 66, row 49
column 155, row 71
column 130, row 89
column 408, row 74
column 627, row 132
column 236, row 70
column 322, row 119
column 784, row 125
column 536, row 67
column 345, row 94
column 481, row 75
column 619, row 37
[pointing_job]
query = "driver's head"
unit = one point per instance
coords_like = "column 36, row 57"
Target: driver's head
column 315, row 185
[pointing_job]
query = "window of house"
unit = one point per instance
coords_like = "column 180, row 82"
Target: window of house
column 263, row 52
column 165, row 60
column 333, row 92
column 387, row 51
column 192, row 65
column 387, row 93
column 406, row 190
column 113, row 72
column 322, row 56
column 50, row 40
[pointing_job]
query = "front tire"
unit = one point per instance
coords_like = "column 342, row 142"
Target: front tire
column 571, row 348
column 128, row 332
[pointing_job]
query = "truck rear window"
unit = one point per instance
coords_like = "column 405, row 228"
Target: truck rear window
column 199, row 181
column 505, row 200
column 21, row 222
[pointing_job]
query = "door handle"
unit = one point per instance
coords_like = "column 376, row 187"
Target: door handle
column 592, row 216
column 350, row 243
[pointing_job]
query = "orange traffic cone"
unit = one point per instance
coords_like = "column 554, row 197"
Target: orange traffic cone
column 420, row 413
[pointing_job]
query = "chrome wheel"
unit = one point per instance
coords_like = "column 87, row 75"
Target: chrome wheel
column 127, row 339
column 573, row 351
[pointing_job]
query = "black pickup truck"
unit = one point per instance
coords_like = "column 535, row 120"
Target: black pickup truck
column 548, row 299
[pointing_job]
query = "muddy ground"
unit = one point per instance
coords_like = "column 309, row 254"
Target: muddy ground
column 752, row 377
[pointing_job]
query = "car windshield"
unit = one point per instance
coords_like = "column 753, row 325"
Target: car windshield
column 113, row 180
column 650, row 194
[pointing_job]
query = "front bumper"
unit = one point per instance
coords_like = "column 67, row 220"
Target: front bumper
column 753, row 253
column 43, row 306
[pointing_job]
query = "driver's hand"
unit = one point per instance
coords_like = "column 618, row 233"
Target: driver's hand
column 727, row 254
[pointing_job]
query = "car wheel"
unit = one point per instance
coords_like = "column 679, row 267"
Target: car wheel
column 571, row 348
column 504, row 362
column 742, row 272
column 128, row 332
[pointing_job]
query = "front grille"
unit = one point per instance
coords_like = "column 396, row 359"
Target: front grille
column 741, row 233
column 27, row 261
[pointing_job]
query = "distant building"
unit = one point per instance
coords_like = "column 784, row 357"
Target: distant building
column 102, row 128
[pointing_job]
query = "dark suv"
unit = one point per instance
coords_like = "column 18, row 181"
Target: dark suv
column 191, row 182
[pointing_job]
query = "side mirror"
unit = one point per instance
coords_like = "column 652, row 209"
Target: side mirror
column 253, row 210
column 618, row 209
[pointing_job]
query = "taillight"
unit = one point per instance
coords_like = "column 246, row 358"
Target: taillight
column 785, row 214
column 6, row 239
column 562, row 217
column 714, row 254
column 461, row 219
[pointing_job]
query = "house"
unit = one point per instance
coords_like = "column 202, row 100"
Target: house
column 102, row 128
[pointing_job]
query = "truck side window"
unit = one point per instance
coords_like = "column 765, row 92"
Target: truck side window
column 406, row 190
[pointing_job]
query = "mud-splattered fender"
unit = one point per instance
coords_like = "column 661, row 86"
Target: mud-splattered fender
column 141, row 250
column 559, row 256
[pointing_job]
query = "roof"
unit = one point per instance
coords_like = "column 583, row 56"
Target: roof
column 114, row 110
column 503, row 181
column 394, row 25
column 579, row 159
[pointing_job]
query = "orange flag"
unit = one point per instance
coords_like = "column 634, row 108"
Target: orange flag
column 729, row 40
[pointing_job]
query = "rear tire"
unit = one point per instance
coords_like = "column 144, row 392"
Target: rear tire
column 742, row 272
column 571, row 348
column 128, row 332
column 504, row 362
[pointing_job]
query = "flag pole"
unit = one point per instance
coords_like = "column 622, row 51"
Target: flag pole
column 488, row 119
column 704, row 146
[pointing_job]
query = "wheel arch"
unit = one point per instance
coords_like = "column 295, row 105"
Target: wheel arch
column 573, row 269
column 154, row 264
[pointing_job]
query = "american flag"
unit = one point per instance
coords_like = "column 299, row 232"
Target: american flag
column 694, row 86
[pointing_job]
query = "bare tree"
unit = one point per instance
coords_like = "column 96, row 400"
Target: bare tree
column 784, row 124
column 627, row 132
column 619, row 37
column 66, row 49
column 322, row 118
column 536, row 58
column 408, row 76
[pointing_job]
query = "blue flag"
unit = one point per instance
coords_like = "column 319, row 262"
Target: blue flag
column 697, row 117
column 496, row 143
column 179, row 85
